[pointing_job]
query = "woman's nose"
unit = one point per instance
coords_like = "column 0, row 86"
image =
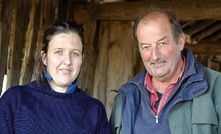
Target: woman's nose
column 67, row 60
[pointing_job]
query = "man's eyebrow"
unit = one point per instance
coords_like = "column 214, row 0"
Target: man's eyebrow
column 163, row 38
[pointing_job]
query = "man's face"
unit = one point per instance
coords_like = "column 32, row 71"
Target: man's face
column 158, row 49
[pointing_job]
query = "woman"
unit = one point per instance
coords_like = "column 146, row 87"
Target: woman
column 53, row 104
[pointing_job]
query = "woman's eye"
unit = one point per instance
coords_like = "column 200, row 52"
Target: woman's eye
column 146, row 47
column 75, row 54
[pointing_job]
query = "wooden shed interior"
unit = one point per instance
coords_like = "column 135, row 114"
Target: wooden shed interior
column 111, row 57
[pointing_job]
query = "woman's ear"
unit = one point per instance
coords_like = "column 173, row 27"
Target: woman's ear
column 43, row 57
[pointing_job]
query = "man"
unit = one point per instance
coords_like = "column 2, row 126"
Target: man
column 174, row 93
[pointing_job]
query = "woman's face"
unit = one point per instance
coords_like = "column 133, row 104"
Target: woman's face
column 63, row 60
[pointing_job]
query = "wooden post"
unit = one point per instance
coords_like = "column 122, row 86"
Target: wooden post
column 28, row 61
column 86, row 77
column 5, row 17
column 17, row 40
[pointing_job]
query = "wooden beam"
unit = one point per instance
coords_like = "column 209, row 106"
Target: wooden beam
column 217, row 59
column 198, row 27
column 208, row 32
column 209, row 48
column 216, row 37
column 185, row 11
column 186, row 24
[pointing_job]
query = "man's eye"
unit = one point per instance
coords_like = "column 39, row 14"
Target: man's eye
column 58, row 52
column 162, row 43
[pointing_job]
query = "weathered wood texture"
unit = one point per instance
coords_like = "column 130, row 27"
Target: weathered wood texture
column 5, row 19
column 212, row 48
column 110, row 57
column 185, row 10
column 116, row 58
column 19, row 24
column 30, row 43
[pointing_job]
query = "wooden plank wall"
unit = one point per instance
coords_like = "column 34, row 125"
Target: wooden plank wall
column 111, row 56
column 116, row 59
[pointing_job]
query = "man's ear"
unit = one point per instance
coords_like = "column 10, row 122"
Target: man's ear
column 181, row 41
column 43, row 57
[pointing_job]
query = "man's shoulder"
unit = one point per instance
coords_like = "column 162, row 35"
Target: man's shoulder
column 127, row 87
column 210, row 74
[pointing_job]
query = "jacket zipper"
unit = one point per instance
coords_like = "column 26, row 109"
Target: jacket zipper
column 157, row 121
column 156, row 116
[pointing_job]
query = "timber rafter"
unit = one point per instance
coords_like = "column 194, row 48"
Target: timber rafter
column 186, row 11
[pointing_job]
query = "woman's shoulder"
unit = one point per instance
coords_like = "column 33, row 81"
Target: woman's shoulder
column 16, row 91
column 91, row 101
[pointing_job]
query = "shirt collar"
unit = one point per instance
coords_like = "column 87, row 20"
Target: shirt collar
column 70, row 89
